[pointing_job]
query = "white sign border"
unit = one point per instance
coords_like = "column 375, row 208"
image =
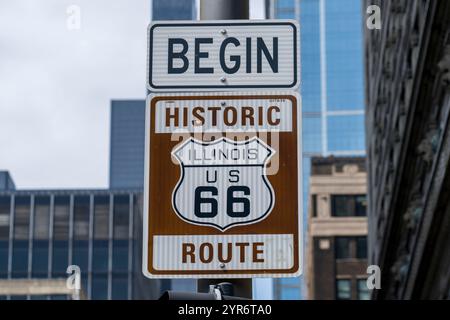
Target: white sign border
column 215, row 88
column 230, row 273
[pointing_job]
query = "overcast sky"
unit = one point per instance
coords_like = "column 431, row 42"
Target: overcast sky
column 56, row 84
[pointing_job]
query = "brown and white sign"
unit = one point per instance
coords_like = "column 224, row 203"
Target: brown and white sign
column 222, row 187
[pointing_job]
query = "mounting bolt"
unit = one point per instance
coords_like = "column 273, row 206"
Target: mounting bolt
column 222, row 266
column 223, row 103
column 223, row 31
column 223, row 79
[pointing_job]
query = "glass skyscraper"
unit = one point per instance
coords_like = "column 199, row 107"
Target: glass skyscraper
column 332, row 88
column 174, row 10
column 127, row 140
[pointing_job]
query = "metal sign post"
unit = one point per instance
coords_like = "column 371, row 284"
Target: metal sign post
column 226, row 10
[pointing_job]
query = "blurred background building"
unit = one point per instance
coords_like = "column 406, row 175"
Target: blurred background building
column 42, row 232
column 408, row 148
column 174, row 10
column 336, row 261
column 332, row 89
column 6, row 181
column 127, row 141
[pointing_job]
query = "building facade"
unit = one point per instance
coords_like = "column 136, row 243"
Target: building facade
column 408, row 148
column 43, row 232
column 127, row 141
column 174, row 10
column 6, row 182
column 337, row 230
column 332, row 87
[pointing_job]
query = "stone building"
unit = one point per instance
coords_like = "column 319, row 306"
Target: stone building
column 337, row 229
column 408, row 148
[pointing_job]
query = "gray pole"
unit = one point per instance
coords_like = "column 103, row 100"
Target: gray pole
column 225, row 10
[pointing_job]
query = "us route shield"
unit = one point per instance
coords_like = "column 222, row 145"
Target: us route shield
column 229, row 182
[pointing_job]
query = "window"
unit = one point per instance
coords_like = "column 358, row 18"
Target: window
column 360, row 206
column 342, row 247
column 120, row 287
column 40, row 258
column 100, row 256
column 314, row 205
column 100, row 287
column 41, row 217
column 5, row 202
column 80, row 254
column 20, row 258
column 3, row 258
column 61, row 218
column 101, row 217
column 22, row 217
column 343, row 289
column 121, row 216
column 81, row 217
column 363, row 291
column 341, row 206
column 120, row 255
column 361, row 247
column 60, row 257
column 348, row 205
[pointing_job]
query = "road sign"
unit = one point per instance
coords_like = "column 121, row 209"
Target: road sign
column 223, row 55
column 223, row 192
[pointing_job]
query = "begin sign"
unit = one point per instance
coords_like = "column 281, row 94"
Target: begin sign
column 222, row 190
column 193, row 56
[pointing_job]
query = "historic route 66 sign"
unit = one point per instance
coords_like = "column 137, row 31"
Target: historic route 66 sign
column 222, row 190
column 226, row 181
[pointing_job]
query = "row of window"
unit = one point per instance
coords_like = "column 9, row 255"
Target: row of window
column 121, row 216
column 350, row 248
column 344, row 289
column 344, row 205
column 60, row 258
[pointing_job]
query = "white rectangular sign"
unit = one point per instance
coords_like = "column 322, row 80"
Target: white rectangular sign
column 216, row 114
column 242, row 252
column 223, row 55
